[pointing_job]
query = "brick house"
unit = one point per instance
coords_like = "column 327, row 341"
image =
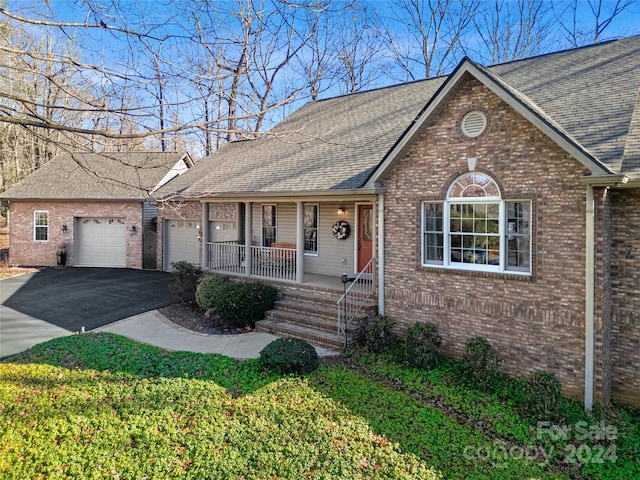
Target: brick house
column 96, row 207
column 500, row 201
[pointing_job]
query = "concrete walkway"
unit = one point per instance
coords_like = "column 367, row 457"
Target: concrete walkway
column 153, row 328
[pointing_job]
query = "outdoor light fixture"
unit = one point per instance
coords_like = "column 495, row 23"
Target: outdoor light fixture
column 341, row 211
column 133, row 230
column 199, row 236
column 64, row 229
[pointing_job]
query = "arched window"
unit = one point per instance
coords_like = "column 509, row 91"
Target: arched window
column 475, row 229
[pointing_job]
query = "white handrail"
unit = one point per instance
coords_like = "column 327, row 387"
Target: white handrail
column 355, row 298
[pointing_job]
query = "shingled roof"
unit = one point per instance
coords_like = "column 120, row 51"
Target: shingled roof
column 98, row 176
column 588, row 95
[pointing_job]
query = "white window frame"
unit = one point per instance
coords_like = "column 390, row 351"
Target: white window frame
column 36, row 226
column 312, row 253
column 502, row 266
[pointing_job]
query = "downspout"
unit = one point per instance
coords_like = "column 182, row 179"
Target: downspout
column 589, row 300
column 380, row 216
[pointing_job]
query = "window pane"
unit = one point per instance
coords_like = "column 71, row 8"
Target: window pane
column 310, row 216
column 367, row 224
column 480, row 226
column 41, row 233
column 42, row 219
column 517, row 236
column 480, row 242
column 269, row 224
column 311, row 228
column 493, row 211
column 433, row 238
column 41, row 226
column 268, row 236
column 269, row 215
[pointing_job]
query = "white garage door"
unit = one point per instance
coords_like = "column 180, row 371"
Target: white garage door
column 101, row 242
column 181, row 242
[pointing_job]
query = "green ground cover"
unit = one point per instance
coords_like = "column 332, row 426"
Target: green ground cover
column 102, row 406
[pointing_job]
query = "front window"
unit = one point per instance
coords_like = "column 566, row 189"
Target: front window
column 41, row 226
column 310, row 228
column 269, row 224
column 475, row 229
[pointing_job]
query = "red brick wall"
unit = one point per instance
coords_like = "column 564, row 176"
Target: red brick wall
column 535, row 322
column 625, row 293
column 23, row 250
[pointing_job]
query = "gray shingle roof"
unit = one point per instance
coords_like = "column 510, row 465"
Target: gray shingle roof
column 325, row 145
column 588, row 94
column 96, row 176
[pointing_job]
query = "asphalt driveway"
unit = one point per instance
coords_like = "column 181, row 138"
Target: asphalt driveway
column 57, row 301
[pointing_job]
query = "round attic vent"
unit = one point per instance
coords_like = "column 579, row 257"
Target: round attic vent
column 473, row 123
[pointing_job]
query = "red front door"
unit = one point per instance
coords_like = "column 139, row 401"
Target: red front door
column 365, row 235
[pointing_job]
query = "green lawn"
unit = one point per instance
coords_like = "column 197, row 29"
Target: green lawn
column 102, row 406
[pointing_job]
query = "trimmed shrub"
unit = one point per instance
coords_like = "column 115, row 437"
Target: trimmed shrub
column 378, row 335
column 185, row 281
column 541, row 395
column 421, row 345
column 243, row 304
column 289, row 355
column 207, row 290
column 480, row 362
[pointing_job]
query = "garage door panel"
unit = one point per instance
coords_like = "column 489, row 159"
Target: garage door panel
column 101, row 242
column 181, row 242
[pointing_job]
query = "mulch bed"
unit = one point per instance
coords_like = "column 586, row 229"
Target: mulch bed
column 189, row 316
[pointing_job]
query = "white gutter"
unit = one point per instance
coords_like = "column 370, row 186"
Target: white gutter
column 589, row 300
column 380, row 254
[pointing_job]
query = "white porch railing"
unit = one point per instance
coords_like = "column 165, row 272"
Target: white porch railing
column 226, row 257
column 274, row 263
column 355, row 298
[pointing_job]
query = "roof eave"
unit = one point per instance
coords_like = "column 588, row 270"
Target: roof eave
column 303, row 194
column 606, row 180
column 57, row 199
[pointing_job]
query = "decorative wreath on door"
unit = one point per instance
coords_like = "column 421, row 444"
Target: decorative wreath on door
column 341, row 230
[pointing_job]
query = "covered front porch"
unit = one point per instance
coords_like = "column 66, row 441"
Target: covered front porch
column 288, row 240
column 320, row 252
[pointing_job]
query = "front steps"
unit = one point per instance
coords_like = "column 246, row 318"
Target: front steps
column 311, row 314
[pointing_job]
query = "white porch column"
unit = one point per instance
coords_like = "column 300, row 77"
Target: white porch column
column 299, row 242
column 248, row 236
column 204, row 228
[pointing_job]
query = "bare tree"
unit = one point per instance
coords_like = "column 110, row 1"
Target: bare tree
column 358, row 38
column 424, row 35
column 196, row 74
column 510, row 29
column 589, row 27
column 38, row 88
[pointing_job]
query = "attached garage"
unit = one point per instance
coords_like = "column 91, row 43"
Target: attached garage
column 181, row 242
column 101, row 242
